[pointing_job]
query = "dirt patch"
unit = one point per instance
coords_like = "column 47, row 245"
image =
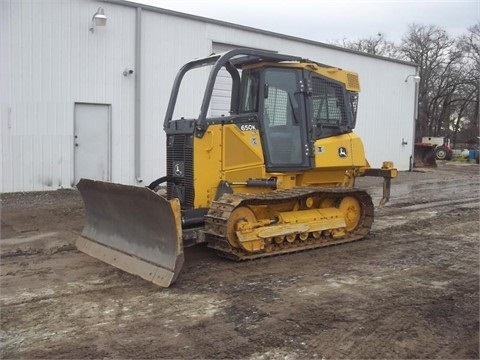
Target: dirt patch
column 410, row 290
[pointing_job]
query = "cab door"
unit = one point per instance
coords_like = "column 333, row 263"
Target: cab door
column 283, row 120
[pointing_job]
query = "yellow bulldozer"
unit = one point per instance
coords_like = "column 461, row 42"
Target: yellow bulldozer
column 275, row 175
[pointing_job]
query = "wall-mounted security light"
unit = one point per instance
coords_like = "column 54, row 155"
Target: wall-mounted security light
column 127, row 72
column 98, row 19
column 415, row 77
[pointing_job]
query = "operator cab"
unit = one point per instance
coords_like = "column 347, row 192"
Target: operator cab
column 292, row 101
column 295, row 107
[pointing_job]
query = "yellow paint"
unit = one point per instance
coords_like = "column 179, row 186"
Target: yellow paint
column 229, row 154
column 242, row 148
column 207, row 163
column 292, row 224
column 327, row 152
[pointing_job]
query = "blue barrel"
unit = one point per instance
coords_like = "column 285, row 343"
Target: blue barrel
column 472, row 154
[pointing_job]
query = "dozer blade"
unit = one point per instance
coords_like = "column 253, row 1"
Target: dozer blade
column 132, row 228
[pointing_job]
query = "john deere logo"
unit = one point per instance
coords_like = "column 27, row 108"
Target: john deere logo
column 342, row 152
column 178, row 168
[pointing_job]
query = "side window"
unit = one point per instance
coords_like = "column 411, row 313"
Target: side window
column 249, row 101
column 353, row 102
column 328, row 108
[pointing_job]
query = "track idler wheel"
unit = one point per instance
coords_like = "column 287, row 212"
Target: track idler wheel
column 240, row 216
column 352, row 211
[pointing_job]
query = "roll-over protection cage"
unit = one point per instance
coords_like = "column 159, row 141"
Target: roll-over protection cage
column 231, row 60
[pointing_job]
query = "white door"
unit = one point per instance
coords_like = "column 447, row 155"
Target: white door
column 92, row 142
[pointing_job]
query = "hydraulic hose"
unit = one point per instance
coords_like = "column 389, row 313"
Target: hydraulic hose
column 161, row 180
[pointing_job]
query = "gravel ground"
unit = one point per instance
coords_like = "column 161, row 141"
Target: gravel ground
column 409, row 290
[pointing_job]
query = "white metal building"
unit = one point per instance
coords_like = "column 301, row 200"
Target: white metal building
column 71, row 107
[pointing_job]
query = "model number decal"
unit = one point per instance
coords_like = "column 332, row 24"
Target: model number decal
column 248, row 127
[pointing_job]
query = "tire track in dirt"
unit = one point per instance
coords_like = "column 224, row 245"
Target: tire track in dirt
column 410, row 290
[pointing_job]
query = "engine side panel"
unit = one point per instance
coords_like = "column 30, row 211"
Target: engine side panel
column 342, row 151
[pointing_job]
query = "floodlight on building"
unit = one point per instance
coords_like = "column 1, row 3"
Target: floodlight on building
column 98, row 19
column 415, row 77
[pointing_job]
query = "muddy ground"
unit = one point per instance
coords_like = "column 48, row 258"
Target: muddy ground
column 410, row 290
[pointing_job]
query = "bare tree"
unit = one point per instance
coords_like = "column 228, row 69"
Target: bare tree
column 449, row 69
column 468, row 118
column 437, row 55
column 375, row 45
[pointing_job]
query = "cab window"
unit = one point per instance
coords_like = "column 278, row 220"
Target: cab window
column 282, row 117
column 328, row 108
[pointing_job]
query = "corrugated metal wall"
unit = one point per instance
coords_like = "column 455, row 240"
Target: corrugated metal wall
column 168, row 42
column 53, row 61
column 50, row 61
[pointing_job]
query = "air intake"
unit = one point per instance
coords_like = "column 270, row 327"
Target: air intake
column 352, row 82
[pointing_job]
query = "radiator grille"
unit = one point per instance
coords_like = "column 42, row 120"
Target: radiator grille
column 180, row 155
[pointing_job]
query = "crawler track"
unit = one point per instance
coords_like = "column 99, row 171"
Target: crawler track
column 216, row 222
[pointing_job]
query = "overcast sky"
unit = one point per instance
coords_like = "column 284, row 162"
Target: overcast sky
column 328, row 20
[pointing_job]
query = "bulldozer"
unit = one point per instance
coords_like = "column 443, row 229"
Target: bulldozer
column 274, row 175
